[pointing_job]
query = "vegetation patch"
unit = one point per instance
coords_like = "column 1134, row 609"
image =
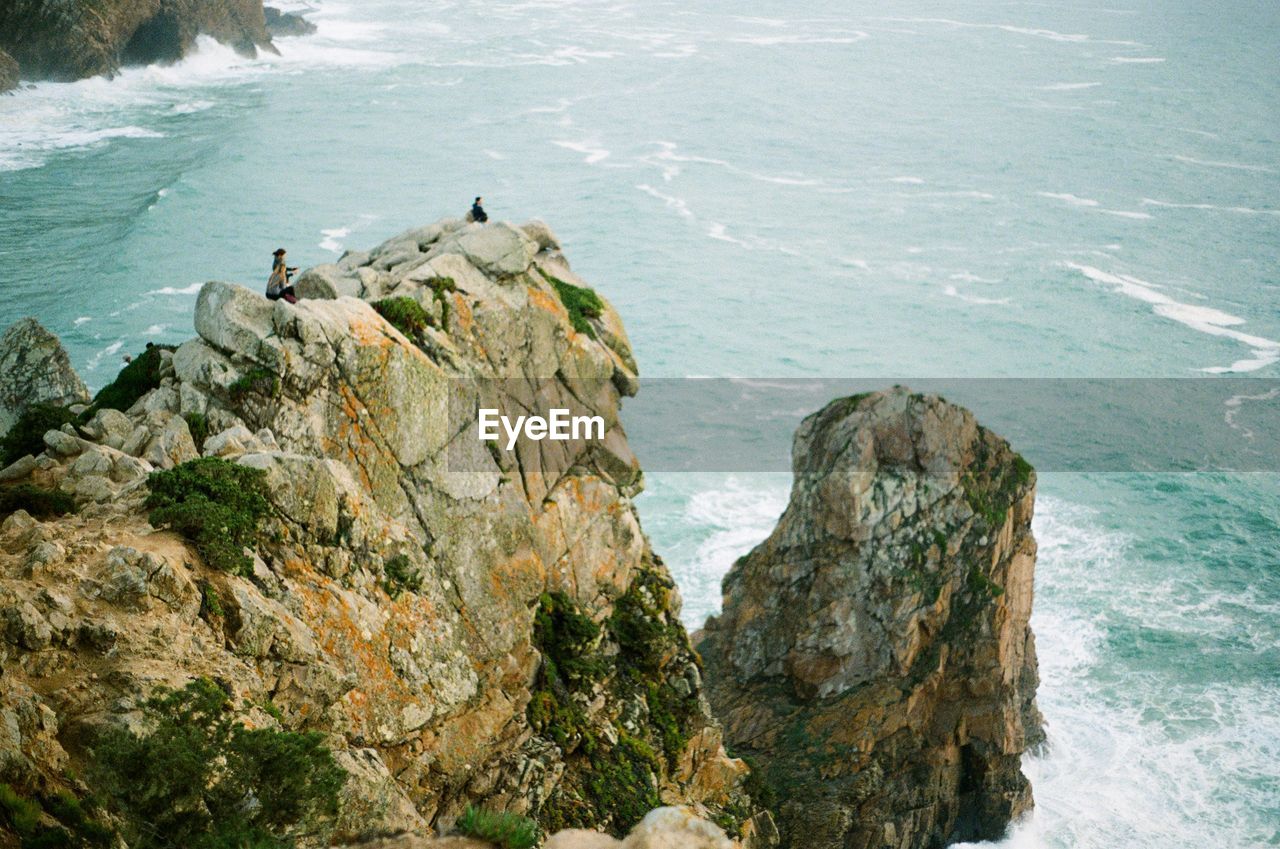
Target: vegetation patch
column 216, row 504
column 502, row 829
column 440, row 289
column 59, row 821
column 404, row 314
column 39, row 502
column 993, row 480
column 399, row 575
column 566, row 639
column 256, row 381
column 200, row 779
column 581, row 302
column 199, row 427
column 26, row 436
column 136, row 379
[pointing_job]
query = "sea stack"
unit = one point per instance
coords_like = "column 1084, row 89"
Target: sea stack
column 874, row 659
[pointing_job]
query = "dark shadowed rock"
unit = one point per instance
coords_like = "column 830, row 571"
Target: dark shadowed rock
column 283, row 24
column 73, row 39
column 34, row 368
column 874, row 655
column 8, row 72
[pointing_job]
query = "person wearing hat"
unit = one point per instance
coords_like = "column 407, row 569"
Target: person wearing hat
column 278, row 286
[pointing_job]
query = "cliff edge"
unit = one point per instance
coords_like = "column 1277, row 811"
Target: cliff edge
column 461, row 626
column 874, row 659
column 59, row 40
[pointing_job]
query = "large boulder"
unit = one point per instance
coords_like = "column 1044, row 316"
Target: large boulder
column 874, row 654
column 34, row 368
column 285, row 24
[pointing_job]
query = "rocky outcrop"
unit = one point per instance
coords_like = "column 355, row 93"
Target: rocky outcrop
column 76, row 39
column 34, row 369
column 286, row 24
column 874, row 656
column 8, row 72
column 465, row 626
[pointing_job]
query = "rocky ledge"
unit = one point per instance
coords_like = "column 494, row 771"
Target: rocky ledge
column 874, row 659
column 72, row 39
column 499, row 637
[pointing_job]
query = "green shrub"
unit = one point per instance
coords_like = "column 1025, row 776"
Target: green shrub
column 76, row 829
column 216, row 504
column 257, row 380
column 27, row 434
column 404, row 314
column 565, row 637
column 502, row 829
column 39, row 502
column 199, row 779
column 440, row 286
column 399, row 575
column 135, row 380
column 210, row 604
column 199, row 427
column 581, row 302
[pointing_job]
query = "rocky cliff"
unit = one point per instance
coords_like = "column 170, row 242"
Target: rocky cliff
column 874, row 659
column 462, row 626
column 73, row 39
column 34, row 369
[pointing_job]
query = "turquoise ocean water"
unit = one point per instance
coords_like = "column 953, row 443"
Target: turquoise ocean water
column 902, row 189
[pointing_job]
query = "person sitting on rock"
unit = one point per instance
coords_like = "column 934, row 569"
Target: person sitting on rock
column 278, row 286
column 477, row 212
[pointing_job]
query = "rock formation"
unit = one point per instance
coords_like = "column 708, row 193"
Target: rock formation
column 34, row 369
column 8, row 72
column 874, row 659
column 464, row 626
column 285, row 24
column 73, row 39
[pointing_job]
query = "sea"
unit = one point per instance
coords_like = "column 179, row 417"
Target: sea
column 896, row 191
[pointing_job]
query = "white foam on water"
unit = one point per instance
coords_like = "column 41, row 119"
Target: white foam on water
column 912, row 181
column 669, row 160
column 951, row 291
column 1152, row 761
column 591, row 149
column 1068, row 86
column 1124, row 213
column 1137, row 60
column 1211, row 163
column 680, row 207
column 1206, row 320
column 1071, row 199
column 1035, row 32
column 775, row 40
column 1234, row 405
column 82, row 320
column 968, row 277
column 191, row 289
column 1240, row 210
column 330, row 241
column 154, row 330
column 493, row 154
column 191, row 107
column 108, row 351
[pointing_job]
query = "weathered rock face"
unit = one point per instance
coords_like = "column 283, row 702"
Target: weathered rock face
column 286, row 24
column 536, row 665
column 8, row 72
column 77, row 39
column 874, row 656
column 34, row 369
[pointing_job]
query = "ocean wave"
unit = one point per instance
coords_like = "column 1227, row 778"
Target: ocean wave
column 1035, row 32
column 1067, row 86
column 591, row 149
column 1137, row 60
column 1241, row 210
column 953, row 292
column 1207, row 320
column 674, row 203
column 1210, row 163
column 191, row 289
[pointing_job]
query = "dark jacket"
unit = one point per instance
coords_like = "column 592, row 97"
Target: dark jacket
column 478, row 213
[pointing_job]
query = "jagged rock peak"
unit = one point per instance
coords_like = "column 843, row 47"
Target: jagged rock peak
column 874, row 654
column 34, row 369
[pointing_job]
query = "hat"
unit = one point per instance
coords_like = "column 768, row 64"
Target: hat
column 278, row 251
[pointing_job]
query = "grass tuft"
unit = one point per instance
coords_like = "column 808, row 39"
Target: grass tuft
column 502, row 829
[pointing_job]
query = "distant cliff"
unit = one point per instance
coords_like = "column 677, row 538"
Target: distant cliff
column 72, row 39
column 874, row 659
column 494, row 633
